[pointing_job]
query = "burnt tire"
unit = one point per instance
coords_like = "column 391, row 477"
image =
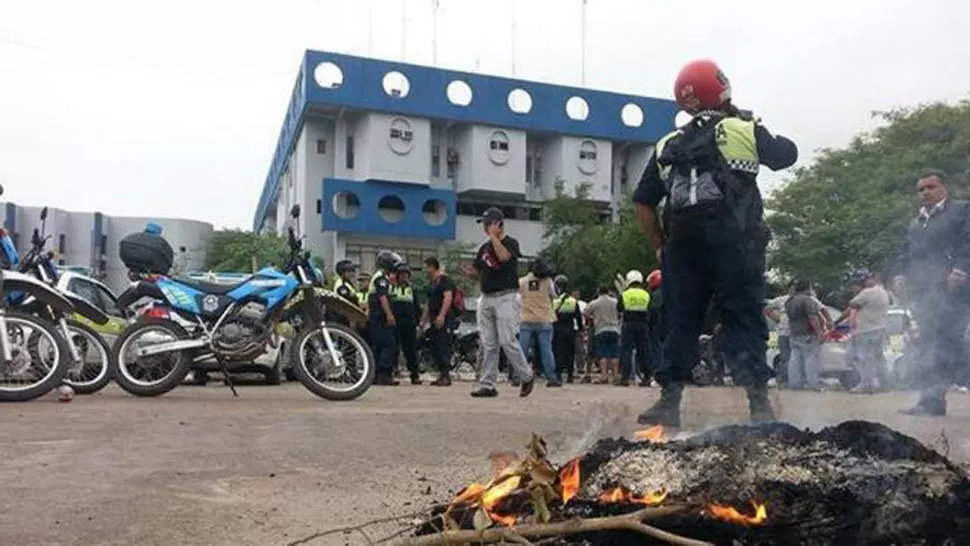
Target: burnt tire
column 850, row 379
column 89, row 336
column 364, row 379
column 125, row 377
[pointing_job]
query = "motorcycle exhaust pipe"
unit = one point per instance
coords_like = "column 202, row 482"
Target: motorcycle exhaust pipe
column 170, row 346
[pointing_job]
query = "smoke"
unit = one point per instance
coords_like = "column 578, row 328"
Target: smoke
column 603, row 420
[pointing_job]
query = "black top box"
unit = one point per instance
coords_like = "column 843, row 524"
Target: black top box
column 146, row 253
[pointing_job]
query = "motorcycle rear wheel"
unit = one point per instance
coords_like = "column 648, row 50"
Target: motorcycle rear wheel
column 84, row 336
column 309, row 345
column 125, row 369
column 60, row 355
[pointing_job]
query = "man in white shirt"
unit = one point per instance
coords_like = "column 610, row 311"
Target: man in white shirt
column 868, row 313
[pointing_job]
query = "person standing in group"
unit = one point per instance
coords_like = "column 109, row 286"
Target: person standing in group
column 633, row 305
column 406, row 311
column 537, row 318
column 868, row 312
column 439, row 315
column 807, row 330
column 714, row 237
column 569, row 322
column 496, row 267
column 933, row 270
column 775, row 311
column 345, row 285
column 381, row 321
column 605, row 317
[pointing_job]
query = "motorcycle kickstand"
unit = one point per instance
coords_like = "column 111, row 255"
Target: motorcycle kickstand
column 227, row 376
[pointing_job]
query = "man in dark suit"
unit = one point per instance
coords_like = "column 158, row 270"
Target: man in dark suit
column 933, row 267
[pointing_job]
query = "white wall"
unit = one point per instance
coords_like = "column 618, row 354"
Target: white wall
column 379, row 156
column 567, row 165
column 485, row 170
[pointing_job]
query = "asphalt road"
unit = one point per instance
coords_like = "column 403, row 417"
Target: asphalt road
column 196, row 467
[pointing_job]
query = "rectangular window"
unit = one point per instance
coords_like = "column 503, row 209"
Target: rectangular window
column 321, row 146
column 587, row 154
column 319, row 206
column 104, row 244
column 436, row 161
column 408, row 136
column 493, row 144
column 61, row 243
column 528, row 169
column 504, row 146
column 350, row 151
column 395, row 133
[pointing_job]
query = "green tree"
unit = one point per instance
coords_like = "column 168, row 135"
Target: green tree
column 451, row 255
column 587, row 247
column 851, row 206
column 238, row 251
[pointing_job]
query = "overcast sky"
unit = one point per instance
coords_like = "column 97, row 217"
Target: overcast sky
column 173, row 108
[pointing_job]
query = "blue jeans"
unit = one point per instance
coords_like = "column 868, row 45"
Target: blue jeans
column 531, row 331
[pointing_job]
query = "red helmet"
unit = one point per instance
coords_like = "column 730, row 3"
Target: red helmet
column 701, row 86
column 653, row 280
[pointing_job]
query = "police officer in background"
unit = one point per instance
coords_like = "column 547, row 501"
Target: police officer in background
column 407, row 312
column 634, row 305
column 655, row 318
column 569, row 323
column 714, row 236
column 381, row 321
column 345, row 285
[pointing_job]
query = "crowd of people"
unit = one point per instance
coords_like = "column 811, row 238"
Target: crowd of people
column 699, row 206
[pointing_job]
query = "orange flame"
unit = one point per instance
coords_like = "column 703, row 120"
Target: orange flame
column 730, row 514
column 654, row 434
column 619, row 495
column 569, row 479
column 499, row 491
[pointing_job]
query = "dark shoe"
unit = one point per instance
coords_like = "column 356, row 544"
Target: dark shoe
column 666, row 411
column 484, row 392
column 443, row 381
column 415, row 379
column 386, row 381
column 569, row 379
column 622, row 382
column 554, row 383
column 644, row 383
column 526, row 388
column 760, row 406
column 927, row 408
column 586, row 380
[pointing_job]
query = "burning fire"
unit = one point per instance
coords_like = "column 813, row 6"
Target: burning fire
column 569, row 479
column 619, row 495
column 654, row 434
column 490, row 495
column 730, row 514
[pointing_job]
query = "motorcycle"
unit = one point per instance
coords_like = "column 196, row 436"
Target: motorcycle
column 465, row 349
column 24, row 373
column 237, row 323
column 85, row 375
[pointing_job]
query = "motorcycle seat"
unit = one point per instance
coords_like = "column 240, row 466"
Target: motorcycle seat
column 211, row 287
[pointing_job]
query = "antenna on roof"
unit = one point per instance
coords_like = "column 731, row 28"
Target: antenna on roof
column 582, row 41
column 434, row 31
column 512, row 36
column 404, row 30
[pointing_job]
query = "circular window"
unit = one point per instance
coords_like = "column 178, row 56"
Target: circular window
column 400, row 137
column 391, row 209
column 328, row 75
column 435, row 212
column 459, row 93
column 587, row 157
column 498, row 147
column 396, row 84
column 520, row 101
column 577, row 109
column 682, row 118
column 345, row 204
column 631, row 115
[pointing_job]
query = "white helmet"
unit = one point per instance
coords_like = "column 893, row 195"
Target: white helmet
column 633, row 276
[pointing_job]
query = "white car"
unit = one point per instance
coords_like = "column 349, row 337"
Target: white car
column 101, row 296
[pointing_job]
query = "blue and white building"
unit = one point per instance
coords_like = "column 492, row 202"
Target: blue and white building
column 383, row 154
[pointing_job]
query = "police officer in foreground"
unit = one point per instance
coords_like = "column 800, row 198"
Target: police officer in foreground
column 714, row 236
column 407, row 312
column 633, row 305
column 568, row 325
column 345, row 286
column 381, row 320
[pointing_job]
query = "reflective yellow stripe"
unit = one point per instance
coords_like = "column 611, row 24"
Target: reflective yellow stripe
column 636, row 299
column 377, row 275
column 736, row 141
column 402, row 293
column 659, row 149
column 566, row 304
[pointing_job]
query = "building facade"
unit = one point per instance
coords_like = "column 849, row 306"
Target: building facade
column 88, row 241
column 382, row 154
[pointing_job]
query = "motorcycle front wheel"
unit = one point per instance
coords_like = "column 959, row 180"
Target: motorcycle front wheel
column 93, row 372
column 351, row 370
column 31, row 373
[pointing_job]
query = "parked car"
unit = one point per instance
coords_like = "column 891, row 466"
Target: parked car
column 98, row 294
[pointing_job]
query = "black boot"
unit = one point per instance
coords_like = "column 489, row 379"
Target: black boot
column 927, row 407
column 759, row 405
column 666, row 411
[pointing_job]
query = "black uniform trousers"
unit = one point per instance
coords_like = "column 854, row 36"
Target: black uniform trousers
column 707, row 254
column 564, row 349
column 384, row 344
column 441, row 349
column 407, row 343
column 633, row 337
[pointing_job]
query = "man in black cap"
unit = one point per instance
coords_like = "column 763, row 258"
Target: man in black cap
column 496, row 267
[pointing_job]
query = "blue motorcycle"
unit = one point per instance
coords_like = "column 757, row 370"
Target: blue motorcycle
column 190, row 321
